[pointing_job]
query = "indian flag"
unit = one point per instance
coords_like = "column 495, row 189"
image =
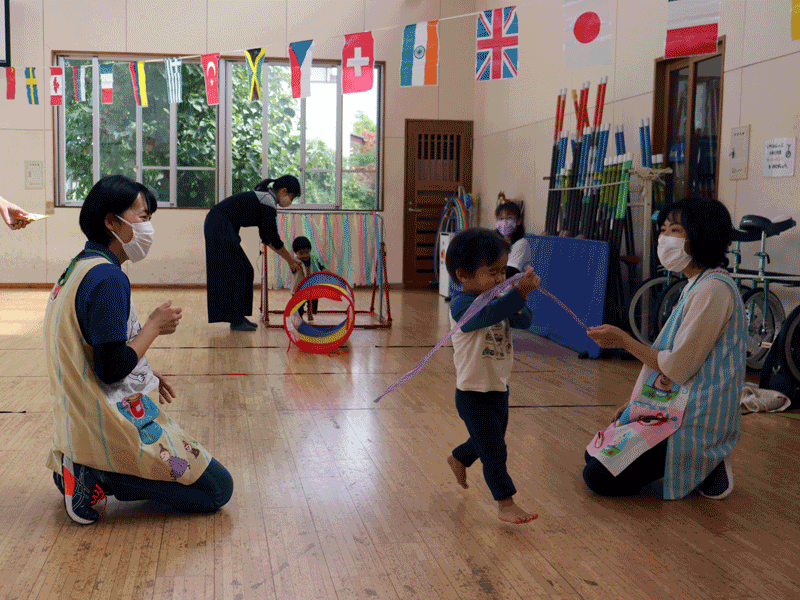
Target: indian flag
column 419, row 64
column 691, row 27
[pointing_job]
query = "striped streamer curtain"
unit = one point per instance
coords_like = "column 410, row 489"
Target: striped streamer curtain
column 346, row 243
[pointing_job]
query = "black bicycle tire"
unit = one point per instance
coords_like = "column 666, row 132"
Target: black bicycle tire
column 649, row 283
column 756, row 360
column 791, row 347
column 676, row 287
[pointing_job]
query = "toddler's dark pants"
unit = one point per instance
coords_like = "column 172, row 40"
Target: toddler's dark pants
column 314, row 304
column 486, row 416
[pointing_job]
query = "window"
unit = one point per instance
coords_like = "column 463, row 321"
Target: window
column 687, row 117
column 194, row 155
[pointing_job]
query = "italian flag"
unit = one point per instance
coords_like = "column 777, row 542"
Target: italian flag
column 691, row 27
column 419, row 63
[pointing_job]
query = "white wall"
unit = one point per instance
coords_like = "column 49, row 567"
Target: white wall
column 39, row 253
column 514, row 120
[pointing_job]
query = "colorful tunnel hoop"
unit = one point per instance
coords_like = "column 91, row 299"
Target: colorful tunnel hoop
column 312, row 338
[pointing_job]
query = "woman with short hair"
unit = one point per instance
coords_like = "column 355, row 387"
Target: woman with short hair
column 110, row 437
column 683, row 418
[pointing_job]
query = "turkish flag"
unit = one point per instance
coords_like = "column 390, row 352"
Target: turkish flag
column 357, row 60
column 56, row 86
column 211, row 72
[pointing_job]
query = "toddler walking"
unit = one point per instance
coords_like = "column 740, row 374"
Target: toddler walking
column 483, row 357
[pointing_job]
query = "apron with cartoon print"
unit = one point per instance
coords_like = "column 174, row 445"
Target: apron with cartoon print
column 658, row 406
column 112, row 427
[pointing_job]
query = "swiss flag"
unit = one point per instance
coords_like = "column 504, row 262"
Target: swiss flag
column 56, row 86
column 211, row 72
column 357, row 61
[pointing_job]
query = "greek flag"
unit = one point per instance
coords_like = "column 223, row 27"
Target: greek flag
column 174, row 81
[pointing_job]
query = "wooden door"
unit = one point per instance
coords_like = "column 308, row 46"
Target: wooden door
column 438, row 160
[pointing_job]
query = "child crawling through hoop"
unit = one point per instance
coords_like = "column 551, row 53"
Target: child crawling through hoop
column 301, row 246
column 483, row 357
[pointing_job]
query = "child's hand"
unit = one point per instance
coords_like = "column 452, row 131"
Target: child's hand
column 529, row 282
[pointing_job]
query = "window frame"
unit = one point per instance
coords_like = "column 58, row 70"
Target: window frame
column 661, row 107
column 224, row 112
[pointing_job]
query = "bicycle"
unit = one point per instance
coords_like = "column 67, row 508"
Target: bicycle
column 765, row 313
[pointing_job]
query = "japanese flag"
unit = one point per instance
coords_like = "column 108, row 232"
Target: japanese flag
column 56, row 86
column 587, row 33
column 211, row 72
column 357, row 61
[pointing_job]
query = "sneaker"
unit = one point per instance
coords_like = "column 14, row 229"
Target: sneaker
column 81, row 491
column 58, row 479
column 719, row 483
column 249, row 322
column 244, row 325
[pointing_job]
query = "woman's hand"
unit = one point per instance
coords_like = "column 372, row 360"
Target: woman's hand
column 295, row 264
column 165, row 390
column 13, row 215
column 166, row 318
column 606, row 336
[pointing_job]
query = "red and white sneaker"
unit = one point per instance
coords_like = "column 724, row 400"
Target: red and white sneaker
column 81, row 492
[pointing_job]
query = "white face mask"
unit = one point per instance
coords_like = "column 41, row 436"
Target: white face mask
column 143, row 234
column 671, row 253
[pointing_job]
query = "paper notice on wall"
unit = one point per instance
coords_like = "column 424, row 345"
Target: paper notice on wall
column 739, row 154
column 779, row 157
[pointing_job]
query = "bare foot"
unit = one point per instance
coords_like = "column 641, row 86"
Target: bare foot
column 459, row 470
column 512, row 513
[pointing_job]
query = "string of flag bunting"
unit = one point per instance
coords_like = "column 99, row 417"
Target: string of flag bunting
column 691, row 29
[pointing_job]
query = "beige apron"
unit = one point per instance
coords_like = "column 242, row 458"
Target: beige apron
column 117, row 427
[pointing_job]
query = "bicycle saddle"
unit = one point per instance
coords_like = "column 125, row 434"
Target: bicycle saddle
column 754, row 223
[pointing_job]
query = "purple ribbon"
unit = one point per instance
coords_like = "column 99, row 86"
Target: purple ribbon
column 478, row 305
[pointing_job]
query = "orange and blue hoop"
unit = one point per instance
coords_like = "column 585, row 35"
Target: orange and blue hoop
column 315, row 338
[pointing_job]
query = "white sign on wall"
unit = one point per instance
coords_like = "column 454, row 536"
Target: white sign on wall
column 739, row 153
column 779, row 157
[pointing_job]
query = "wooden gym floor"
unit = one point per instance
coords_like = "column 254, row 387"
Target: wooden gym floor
column 337, row 497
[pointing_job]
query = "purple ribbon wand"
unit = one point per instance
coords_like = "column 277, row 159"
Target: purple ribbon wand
column 480, row 302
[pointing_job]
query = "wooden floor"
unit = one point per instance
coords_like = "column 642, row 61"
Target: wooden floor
column 337, row 497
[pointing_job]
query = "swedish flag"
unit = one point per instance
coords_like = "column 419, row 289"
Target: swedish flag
column 255, row 59
column 30, row 83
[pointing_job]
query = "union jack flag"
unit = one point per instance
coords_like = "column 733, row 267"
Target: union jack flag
column 497, row 44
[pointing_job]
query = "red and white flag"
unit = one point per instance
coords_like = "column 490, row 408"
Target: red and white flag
column 56, row 86
column 691, row 27
column 587, row 33
column 357, row 60
column 11, row 83
column 211, row 72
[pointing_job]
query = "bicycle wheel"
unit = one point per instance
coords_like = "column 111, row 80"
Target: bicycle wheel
column 761, row 328
column 643, row 311
column 792, row 346
column 669, row 300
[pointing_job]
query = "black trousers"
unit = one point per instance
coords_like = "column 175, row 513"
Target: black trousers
column 314, row 304
column 229, row 274
column 647, row 468
column 486, row 416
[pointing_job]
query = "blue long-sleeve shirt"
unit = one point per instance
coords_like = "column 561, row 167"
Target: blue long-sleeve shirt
column 102, row 305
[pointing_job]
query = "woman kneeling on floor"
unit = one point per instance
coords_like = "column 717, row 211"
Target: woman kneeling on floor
column 110, row 437
column 683, row 418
